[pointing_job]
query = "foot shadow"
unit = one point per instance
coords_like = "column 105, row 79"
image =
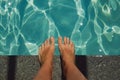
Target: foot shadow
column 81, row 63
column 11, row 68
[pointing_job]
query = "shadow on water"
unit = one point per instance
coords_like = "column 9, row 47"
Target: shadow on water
column 81, row 63
column 11, row 68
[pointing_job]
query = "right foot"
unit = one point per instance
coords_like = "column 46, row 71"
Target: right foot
column 66, row 50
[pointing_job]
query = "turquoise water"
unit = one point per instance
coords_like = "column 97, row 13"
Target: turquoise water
column 93, row 25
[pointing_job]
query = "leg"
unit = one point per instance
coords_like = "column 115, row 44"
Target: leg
column 71, row 72
column 46, row 58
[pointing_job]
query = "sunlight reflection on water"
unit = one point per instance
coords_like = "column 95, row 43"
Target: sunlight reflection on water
column 93, row 25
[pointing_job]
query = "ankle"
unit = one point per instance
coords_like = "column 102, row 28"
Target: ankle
column 67, row 66
column 48, row 64
column 68, row 62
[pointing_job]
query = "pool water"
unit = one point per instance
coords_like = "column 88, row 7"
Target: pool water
column 92, row 25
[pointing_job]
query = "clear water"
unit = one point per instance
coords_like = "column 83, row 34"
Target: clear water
column 93, row 25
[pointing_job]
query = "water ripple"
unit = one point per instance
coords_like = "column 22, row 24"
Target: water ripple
column 26, row 24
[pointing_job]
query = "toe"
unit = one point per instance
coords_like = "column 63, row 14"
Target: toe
column 60, row 40
column 39, row 53
column 52, row 41
column 42, row 47
column 72, row 45
column 47, row 42
column 65, row 40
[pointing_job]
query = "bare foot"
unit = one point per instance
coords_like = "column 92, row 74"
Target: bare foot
column 46, row 51
column 66, row 50
column 69, row 69
column 46, row 58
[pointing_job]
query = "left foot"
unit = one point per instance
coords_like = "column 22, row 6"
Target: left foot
column 46, row 51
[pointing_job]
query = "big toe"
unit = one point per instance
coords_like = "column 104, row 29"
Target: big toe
column 60, row 40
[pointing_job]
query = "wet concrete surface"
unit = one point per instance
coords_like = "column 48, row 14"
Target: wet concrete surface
column 26, row 67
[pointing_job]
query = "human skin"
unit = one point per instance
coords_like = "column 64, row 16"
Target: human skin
column 46, row 59
column 70, row 71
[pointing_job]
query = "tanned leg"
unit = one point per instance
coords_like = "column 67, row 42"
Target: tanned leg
column 46, row 59
column 70, row 71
